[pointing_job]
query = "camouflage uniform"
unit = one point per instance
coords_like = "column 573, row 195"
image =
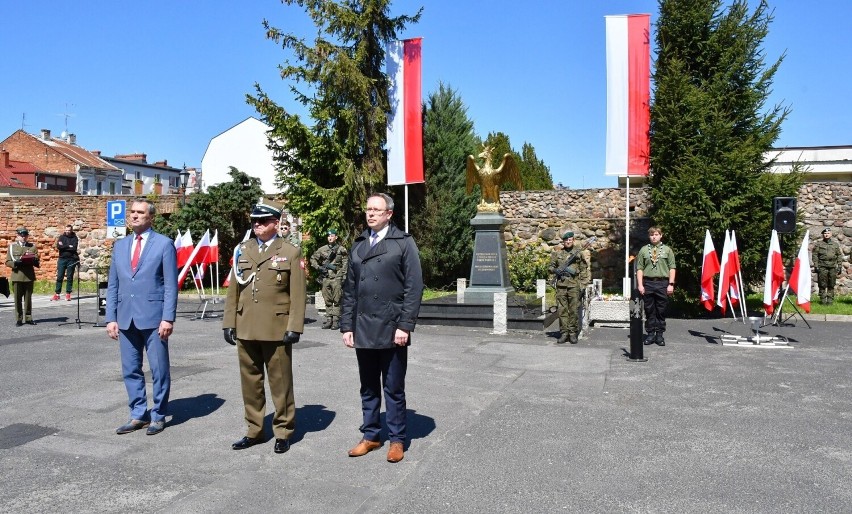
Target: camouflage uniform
column 828, row 261
column 569, row 290
column 331, row 262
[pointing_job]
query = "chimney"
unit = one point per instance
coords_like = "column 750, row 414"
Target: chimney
column 97, row 152
column 45, row 134
column 4, row 159
column 72, row 139
column 137, row 157
column 162, row 164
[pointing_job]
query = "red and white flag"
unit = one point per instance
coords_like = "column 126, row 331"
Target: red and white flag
column 709, row 268
column 628, row 94
column 178, row 243
column 724, row 279
column 213, row 251
column 774, row 275
column 734, row 271
column 199, row 253
column 185, row 249
column 405, row 123
column 800, row 278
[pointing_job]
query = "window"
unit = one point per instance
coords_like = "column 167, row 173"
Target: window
column 138, row 175
column 112, row 188
column 84, row 186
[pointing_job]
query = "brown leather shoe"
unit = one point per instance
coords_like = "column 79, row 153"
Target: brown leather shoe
column 396, row 452
column 364, row 447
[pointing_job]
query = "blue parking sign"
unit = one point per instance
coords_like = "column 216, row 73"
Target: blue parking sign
column 116, row 222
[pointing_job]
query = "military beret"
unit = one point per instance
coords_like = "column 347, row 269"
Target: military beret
column 568, row 234
column 23, row 231
column 268, row 209
column 332, row 231
column 826, row 229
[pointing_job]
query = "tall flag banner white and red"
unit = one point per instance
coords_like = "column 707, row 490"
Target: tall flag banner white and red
column 628, row 94
column 185, row 249
column 774, row 275
column 199, row 253
column 724, row 278
column 178, row 243
column 800, row 278
column 709, row 268
column 405, row 123
column 734, row 271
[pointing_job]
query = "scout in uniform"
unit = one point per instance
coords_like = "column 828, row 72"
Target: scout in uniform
column 655, row 275
column 264, row 315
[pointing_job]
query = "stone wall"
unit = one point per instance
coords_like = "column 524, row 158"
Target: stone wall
column 540, row 217
column 46, row 216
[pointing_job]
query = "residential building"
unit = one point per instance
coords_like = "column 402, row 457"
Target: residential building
column 243, row 146
column 141, row 178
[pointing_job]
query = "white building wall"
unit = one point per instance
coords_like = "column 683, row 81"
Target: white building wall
column 243, row 146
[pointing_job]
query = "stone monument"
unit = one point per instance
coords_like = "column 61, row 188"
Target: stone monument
column 489, row 271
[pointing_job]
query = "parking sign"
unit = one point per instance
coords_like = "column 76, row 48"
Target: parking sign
column 116, row 223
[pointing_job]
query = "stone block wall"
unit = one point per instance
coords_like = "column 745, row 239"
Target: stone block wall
column 46, row 216
column 540, row 217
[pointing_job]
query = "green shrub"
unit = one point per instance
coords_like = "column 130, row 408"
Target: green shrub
column 527, row 263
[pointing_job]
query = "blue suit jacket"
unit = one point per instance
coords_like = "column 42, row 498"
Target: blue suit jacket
column 149, row 295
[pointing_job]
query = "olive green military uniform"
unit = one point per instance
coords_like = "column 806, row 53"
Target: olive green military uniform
column 569, row 289
column 331, row 261
column 266, row 299
column 828, row 262
column 23, row 259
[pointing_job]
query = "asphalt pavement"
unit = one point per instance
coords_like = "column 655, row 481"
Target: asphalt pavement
column 497, row 423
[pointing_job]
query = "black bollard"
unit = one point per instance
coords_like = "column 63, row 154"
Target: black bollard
column 636, row 346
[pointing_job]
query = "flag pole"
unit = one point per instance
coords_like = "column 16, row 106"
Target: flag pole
column 625, row 282
column 406, row 207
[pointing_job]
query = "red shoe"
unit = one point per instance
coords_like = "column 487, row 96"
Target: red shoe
column 67, row 297
column 55, row 298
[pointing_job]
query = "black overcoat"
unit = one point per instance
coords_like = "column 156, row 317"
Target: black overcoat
column 383, row 288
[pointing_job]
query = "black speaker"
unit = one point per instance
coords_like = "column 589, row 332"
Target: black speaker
column 784, row 214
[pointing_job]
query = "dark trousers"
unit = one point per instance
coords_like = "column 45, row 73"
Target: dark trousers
column 65, row 268
column 23, row 300
column 383, row 367
column 656, row 300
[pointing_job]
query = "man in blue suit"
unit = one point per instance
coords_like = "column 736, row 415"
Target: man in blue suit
column 140, row 314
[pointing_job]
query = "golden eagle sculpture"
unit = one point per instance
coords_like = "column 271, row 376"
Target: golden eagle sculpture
column 490, row 180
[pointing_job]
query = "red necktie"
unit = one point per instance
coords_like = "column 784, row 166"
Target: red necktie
column 134, row 261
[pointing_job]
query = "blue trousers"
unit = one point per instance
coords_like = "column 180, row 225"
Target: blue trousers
column 383, row 370
column 132, row 343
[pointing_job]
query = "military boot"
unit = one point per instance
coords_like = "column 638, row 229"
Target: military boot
column 572, row 339
column 327, row 322
column 661, row 341
column 562, row 338
column 335, row 322
column 650, row 338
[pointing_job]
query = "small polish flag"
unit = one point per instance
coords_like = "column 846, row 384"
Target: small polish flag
column 800, row 278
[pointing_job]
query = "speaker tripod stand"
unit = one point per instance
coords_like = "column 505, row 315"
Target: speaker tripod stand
column 778, row 319
column 78, row 321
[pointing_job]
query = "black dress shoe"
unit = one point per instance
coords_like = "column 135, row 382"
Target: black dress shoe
column 246, row 442
column 660, row 340
column 30, row 322
column 650, row 339
column 281, row 445
column 19, row 323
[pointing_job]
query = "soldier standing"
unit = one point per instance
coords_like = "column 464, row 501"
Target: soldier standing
column 264, row 315
column 828, row 262
column 655, row 276
column 23, row 259
column 572, row 274
column 331, row 262
column 289, row 235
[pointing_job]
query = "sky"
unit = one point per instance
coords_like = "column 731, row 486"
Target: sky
column 163, row 77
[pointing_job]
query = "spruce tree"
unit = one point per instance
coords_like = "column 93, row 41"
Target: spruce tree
column 442, row 223
column 327, row 165
column 710, row 130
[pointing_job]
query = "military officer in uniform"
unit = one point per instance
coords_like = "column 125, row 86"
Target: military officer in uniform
column 264, row 315
column 571, row 278
column 23, row 258
column 285, row 231
column 655, row 276
column 828, row 262
column 331, row 262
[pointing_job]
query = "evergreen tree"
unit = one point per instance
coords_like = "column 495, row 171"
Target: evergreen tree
column 534, row 173
column 709, row 133
column 500, row 146
column 442, row 223
column 328, row 167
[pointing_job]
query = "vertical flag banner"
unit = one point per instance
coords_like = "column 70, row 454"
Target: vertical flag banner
column 774, row 275
column 197, row 256
column 185, row 249
column 709, row 268
column 800, row 278
column 213, row 251
column 734, row 270
column 405, row 123
column 628, row 94
column 724, row 279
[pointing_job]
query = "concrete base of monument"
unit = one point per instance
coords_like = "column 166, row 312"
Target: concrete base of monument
column 485, row 294
column 521, row 314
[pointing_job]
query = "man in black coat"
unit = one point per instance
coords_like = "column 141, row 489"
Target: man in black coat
column 381, row 300
column 69, row 258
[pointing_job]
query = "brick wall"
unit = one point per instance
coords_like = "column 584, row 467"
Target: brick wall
column 46, row 216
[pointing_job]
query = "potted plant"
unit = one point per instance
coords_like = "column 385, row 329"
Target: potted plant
column 158, row 186
column 137, row 186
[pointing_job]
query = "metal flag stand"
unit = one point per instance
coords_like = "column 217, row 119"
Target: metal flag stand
column 777, row 320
